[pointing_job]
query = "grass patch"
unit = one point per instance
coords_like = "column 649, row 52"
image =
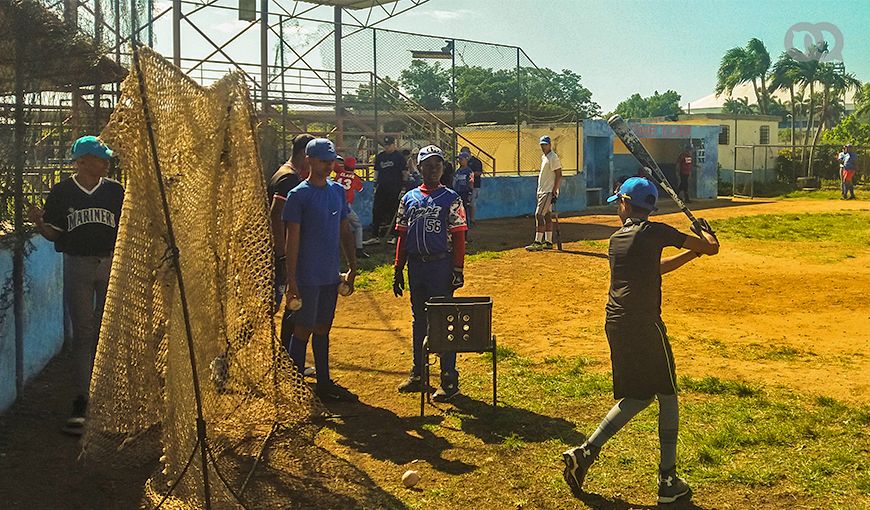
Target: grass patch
column 851, row 228
column 732, row 433
column 716, row 386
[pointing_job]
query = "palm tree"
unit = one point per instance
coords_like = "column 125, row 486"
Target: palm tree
column 808, row 69
column 741, row 65
column 738, row 106
column 786, row 73
column 835, row 81
column 862, row 100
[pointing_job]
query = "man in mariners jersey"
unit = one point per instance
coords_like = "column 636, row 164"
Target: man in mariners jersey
column 81, row 218
column 431, row 225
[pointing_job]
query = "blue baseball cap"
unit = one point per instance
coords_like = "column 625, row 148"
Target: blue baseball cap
column 322, row 149
column 640, row 192
column 545, row 140
column 91, row 145
column 429, row 151
column 464, row 155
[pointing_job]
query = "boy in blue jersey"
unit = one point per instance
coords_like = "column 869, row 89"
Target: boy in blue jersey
column 463, row 180
column 317, row 230
column 431, row 225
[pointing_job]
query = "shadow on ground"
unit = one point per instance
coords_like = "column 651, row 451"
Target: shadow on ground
column 386, row 436
column 492, row 425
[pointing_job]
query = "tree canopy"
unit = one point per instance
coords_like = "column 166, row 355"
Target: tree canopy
column 491, row 95
column 656, row 105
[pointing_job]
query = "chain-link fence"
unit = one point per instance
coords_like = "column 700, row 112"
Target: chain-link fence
column 764, row 170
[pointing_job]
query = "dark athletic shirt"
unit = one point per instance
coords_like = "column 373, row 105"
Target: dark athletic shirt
column 390, row 167
column 635, row 272
column 88, row 221
column 282, row 182
column 476, row 167
column 447, row 175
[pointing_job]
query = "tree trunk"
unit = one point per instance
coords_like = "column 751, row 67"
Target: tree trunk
column 757, row 94
column 809, row 126
column 765, row 99
column 822, row 115
column 793, row 119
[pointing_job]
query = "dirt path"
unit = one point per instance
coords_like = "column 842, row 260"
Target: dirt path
column 757, row 312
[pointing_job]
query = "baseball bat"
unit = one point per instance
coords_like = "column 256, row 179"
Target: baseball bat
column 650, row 167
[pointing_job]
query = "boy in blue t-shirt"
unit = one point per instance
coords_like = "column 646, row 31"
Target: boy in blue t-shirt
column 317, row 230
column 431, row 225
column 463, row 180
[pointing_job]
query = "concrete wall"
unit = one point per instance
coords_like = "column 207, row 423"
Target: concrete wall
column 43, row 316
column 664, row 142
column 501, row 142
column 500, row 197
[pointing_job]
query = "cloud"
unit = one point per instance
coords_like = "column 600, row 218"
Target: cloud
column 442, row 15
column 231, row 26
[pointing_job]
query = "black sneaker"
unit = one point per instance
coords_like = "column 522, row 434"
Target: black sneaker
column 332, row 392
column 75, row 425
column 413, row 384
column 449, row 388
column 577, row 463
column 361, row 254
column 671, row 486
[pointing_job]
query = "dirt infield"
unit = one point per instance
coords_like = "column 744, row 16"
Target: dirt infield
column 761, row 312
column 783, row 316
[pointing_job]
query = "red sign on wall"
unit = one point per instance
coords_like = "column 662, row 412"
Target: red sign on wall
column 662, row 130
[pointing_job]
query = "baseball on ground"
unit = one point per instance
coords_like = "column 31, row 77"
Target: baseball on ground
column 410, row 478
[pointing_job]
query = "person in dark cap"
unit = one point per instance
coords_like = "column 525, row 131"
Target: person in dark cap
column 390, row 167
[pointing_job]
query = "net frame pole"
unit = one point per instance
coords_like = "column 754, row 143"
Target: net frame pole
column 202, row 440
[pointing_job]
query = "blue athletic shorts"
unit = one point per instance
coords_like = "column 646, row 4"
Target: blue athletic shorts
column 318, row 305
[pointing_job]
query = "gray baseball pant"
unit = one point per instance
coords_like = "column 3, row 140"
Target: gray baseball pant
column 85, row 281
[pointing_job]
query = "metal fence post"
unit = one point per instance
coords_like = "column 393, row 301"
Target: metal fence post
column 519, row 128
column 375, row 82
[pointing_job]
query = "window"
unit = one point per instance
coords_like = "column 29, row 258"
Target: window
column 723, row 135
column 701, row 153
column 764, row 135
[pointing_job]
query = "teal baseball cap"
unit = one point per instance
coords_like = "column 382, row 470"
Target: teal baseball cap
column 640, row 192
column 91, row 145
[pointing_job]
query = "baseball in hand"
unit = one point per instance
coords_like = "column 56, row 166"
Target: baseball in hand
column 410, row 478
column 294, row 304
column 344, row 288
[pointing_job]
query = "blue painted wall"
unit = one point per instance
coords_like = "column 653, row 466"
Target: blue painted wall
column 500, row 197
column 43, row 316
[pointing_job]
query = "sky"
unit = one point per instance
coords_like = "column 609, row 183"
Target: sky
column 628, row 46
column 619, row 47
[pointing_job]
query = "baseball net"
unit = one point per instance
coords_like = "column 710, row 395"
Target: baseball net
column 260, row 417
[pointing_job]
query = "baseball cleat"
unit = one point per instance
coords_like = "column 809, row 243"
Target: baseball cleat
column 671, row 486
column 577, row 463
column 372, row 241
column 547, row 245
column 414, row 384
column 535, row 246
column 332, row 392
column 449, row 388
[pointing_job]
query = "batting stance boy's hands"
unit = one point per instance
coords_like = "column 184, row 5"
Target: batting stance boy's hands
column 398, row 281
column 458, row 278
column 703, row 225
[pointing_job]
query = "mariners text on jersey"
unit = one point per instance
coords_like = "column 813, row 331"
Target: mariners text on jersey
column 93, row 215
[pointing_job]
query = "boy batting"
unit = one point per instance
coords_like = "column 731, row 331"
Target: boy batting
column 643, row 363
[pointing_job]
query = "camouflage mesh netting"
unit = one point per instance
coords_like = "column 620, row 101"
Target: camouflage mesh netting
column 260, row 415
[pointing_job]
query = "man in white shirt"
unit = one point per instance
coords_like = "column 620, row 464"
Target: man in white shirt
column 548, row 191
